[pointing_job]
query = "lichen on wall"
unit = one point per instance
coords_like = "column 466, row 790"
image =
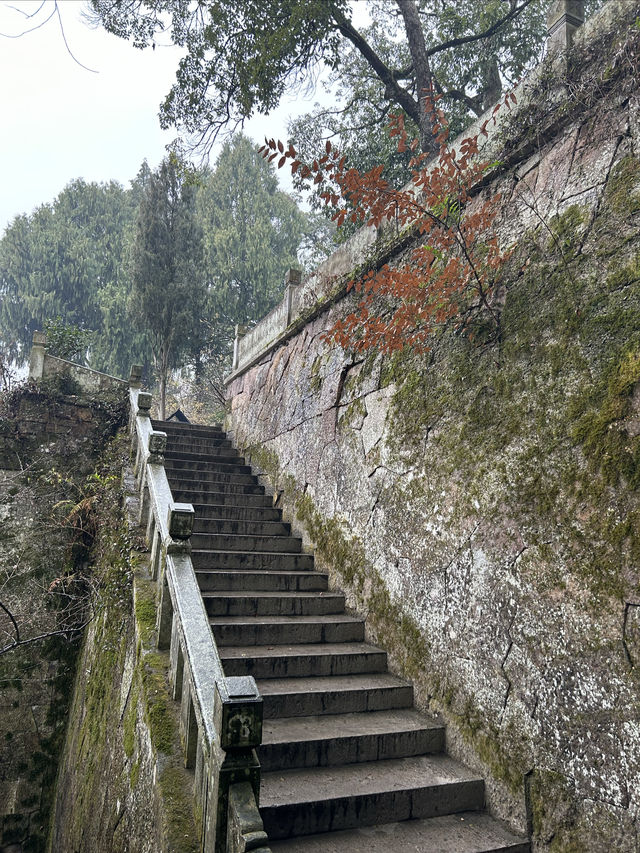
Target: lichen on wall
column 480, row 504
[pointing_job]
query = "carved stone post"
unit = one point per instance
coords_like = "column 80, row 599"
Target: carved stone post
column 563, row 19
column 291, row 282
column 241, row 733
column 36, row 359
column 135, row 376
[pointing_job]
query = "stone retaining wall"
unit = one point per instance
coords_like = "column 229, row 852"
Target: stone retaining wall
column 480, row 504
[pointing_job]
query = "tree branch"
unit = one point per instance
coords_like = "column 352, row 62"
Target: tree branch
column 513, row 13
column 393, row 90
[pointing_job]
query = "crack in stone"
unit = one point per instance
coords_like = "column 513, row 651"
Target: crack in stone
column 502, row 665
column 595, row 211
column 373, row 509
column 627, row 608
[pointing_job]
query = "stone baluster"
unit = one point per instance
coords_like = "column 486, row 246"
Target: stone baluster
column 240, row 715
column 241, row 331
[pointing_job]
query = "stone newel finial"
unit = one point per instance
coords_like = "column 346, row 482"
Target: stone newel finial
column 563, row 19
column 144, row 404
column 180, row 518
column 157, row 446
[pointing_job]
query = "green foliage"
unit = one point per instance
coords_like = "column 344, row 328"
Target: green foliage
column 65, row 340
column 241, row 57
column 252, row 231
column 251, row 235
column 167, row 290
column 67, row 260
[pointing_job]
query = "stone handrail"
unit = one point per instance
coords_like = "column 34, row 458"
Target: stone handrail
column 220, row 717
column 43, row 365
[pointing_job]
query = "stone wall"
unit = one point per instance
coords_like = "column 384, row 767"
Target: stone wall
column 122, row 786
column 480, row 504
column 49, row 444
column 51, row 369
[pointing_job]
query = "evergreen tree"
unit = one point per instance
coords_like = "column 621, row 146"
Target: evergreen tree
column 252, row 231
column 67, row 260
column 167, row 289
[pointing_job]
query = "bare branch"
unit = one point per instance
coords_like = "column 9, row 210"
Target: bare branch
column 13, row 621
column 445, row 45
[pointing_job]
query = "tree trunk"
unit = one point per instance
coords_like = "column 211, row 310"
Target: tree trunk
column 491, row 83
column 421, row 71
column 162, row 381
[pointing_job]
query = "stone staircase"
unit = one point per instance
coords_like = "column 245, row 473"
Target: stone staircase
column 347, row 762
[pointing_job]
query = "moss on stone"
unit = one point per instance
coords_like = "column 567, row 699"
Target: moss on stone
column 160, row 713
column 129, row 725
column 622, row 194
column 134, row 775
column 178, row 803
column 145, row 609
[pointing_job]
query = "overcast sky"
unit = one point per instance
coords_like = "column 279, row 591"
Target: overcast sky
column 60, row 121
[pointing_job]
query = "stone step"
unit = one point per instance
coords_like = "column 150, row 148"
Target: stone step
column 200, row 490
column 216, row 500
column 202, row 448
column 326, row 799
column 208, row 480
column 337, row 694
column 342, row 749
column 336, row 739
column 305, row 659
column 286, row 630
column 177, row 428
column 234, row 513
column 198, row 468
column 216, row 579
column 224, row 455
column 234, row 542
column 248, row 560
column 465, row 832
column 235, row 527
column 240, row 603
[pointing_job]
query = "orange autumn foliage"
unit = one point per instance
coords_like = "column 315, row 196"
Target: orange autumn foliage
column 449, row 275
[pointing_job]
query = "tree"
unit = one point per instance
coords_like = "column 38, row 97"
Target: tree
column 168, row 293
column 66, row 341
column 68, row 260
column 242, row 55
column 251, row 234
column 252, row 231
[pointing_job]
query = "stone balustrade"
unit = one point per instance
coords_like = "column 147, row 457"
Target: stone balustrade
column 220, row 718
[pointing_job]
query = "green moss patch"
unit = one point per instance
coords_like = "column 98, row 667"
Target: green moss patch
column 178, row 802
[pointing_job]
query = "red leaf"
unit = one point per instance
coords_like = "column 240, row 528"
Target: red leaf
column 280, row 146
